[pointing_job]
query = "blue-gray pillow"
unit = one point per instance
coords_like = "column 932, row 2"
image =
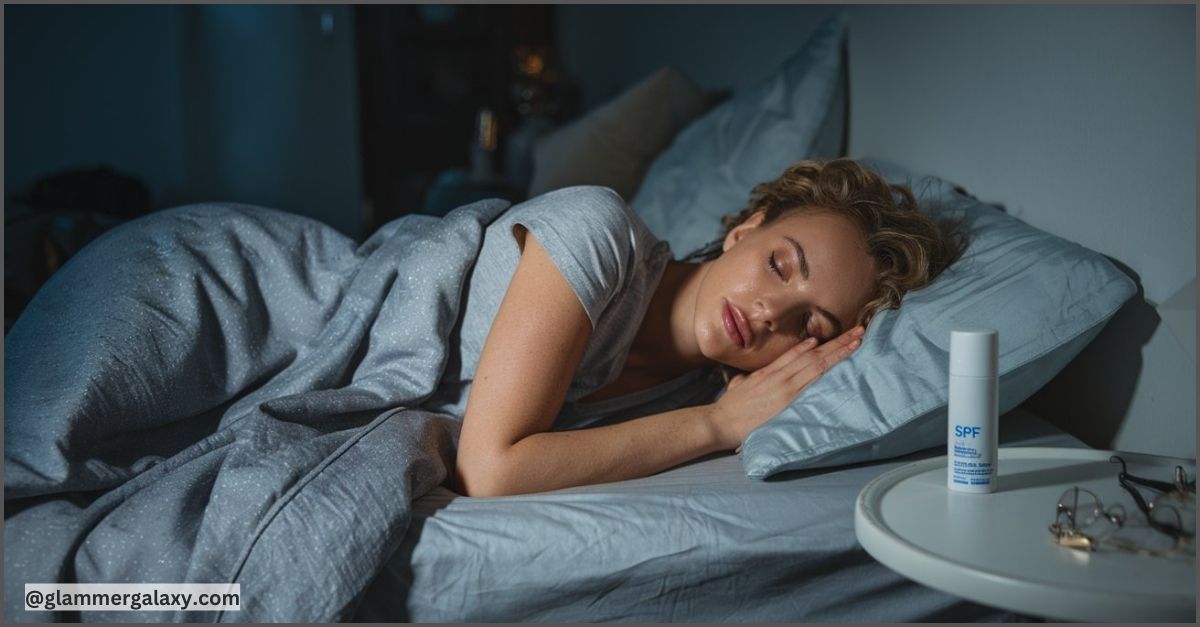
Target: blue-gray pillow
column 714, row 162
column 1048, row 298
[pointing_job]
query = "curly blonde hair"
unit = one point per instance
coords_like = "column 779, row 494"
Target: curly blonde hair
column 910, row 249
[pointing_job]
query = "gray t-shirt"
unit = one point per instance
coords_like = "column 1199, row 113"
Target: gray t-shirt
column 613, row 264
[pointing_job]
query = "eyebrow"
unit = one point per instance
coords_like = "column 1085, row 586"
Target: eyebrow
column 832, row 319
column 800, row 256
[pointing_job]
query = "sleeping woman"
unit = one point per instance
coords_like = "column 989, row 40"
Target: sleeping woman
column 218, row 380
column 586, row 354
column 578, row 351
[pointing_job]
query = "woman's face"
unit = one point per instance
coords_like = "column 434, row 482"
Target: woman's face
column 777, row 284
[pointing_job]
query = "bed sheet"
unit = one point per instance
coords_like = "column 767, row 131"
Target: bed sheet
column 700, row 542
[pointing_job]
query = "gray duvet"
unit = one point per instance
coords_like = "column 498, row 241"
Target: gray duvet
column 223, row 393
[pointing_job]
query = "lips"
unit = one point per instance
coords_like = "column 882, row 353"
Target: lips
column 736, row 325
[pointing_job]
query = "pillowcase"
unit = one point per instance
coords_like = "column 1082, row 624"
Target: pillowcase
column 1046, row 296
column 614, row 144
column 753, row 137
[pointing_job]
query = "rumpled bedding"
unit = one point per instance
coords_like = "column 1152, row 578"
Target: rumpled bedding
column 224, row 393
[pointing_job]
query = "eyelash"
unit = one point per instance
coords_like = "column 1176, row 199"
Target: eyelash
column 808, row 319
column 774, row 266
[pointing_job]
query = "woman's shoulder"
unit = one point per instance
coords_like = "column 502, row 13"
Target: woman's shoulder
column 592, row 235
column 591, row 213
column 581, row 205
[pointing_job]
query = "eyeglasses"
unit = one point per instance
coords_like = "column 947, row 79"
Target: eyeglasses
column 1172, row 511
column 1082, row 522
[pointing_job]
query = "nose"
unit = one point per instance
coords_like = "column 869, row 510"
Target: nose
column 765, row 313
column 769, row 309
column 776, row 312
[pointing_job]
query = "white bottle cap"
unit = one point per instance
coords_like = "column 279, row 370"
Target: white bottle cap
column 973, row 352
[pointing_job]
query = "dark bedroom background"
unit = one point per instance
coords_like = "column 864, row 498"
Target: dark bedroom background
column 352, row 115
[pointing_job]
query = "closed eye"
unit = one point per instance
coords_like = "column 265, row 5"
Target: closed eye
column 774, row 266
column 811, row 331
column 808, row 318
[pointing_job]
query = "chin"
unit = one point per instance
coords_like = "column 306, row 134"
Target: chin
column 714, row 344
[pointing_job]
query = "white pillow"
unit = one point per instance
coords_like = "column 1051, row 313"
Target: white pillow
column 1046, row 296
column 753, row 137
column 614, row 144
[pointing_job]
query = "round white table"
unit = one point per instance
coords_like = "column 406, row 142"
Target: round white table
column 996, row 548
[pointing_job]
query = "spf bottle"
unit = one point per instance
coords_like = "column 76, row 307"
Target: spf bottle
column 974, row 404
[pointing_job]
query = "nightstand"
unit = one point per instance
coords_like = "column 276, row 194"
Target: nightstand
column 996, row 549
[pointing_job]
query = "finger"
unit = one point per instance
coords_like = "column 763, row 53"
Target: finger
column 837, row 353
column 789, row 356
column 849, row 338
column 853, row 333
column 853, row 336
column 821, row 364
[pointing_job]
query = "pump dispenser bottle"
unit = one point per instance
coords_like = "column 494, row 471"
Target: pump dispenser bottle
column 974, row 403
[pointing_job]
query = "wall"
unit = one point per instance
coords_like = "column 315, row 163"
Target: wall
column 92, row 85
column 236, row 103
column 275, row 116
column 1080, row 120
column 607, row 47
column 1060, row 99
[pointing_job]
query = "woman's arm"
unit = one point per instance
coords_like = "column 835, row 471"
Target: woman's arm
column 532, row 351
column 529, row 358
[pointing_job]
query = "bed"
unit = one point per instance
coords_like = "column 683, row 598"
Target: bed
column 698, row 543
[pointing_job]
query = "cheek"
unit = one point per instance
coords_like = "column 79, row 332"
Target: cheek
column 709, row 328
column 711, row 338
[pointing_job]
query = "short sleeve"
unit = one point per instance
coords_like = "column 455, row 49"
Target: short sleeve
column 590, row 234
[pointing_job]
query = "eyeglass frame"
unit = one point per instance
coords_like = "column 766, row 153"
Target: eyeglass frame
column 1074, row 536
column 1181, row 487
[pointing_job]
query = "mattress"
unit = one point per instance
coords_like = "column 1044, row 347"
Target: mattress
column 700, row 542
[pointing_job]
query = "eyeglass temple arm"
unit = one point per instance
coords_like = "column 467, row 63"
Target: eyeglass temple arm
column 1161, row 486
column 1181, row 480
column 1171, row 530
column 1137, row 496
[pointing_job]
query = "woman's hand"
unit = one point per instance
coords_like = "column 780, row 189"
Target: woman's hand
column 752, row 399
